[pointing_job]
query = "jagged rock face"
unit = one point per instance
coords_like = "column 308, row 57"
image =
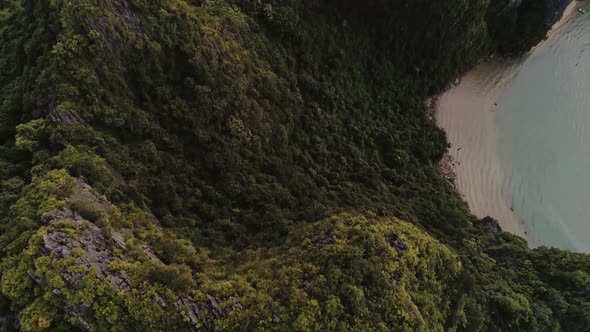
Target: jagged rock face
column 397, row 243
column 490, row 225
column 61, row 117
column 555, row 9
column 514, row 3
column 219, row 308
column 97, row 253
column 95, row 249
column 322, row 240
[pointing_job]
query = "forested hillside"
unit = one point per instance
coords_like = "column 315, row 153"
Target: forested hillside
column 240, row 165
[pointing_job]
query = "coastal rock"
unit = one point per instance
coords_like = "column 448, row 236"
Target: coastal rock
column 554, row 10
column 447, row 167
column 490, row 225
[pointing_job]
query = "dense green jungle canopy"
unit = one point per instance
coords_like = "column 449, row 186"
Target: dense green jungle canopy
column 268, row 165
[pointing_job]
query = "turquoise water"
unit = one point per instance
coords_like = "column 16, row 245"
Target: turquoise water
column 520, row 132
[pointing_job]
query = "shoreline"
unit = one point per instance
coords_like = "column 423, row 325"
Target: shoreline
column 486, row 194
column 466, row 112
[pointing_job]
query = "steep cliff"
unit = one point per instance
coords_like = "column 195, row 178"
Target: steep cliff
column 254, row 165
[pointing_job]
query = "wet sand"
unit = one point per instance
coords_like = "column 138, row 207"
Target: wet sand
column 470, row 113
column 467, row 113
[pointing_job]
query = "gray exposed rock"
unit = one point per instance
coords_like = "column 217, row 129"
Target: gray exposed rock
column 118, row 240
column 63, row 213
column 508, row 262
column 65, row 117
column 191, row 308
column 213, row 304
column 276, row 319
column 95, row 249
column 159, row 300
column 57, row 243
column 93, row 243
column 537, row 309
column 490, row 225
column 34, row 277
column 80, row 312
column 120, row 281
column 322, row 240
column 194, row 309
column 396, row 279
column 150, row 253
column 514, row 3
column 397, row 243
column 84, row 193
column 74, row 279
column 83, row 324
column 306, row 285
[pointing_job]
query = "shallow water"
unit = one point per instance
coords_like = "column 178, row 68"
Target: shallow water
column 520, row 133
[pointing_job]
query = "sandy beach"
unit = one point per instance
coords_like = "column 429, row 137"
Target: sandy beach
column 469, row 112
column 466, row 112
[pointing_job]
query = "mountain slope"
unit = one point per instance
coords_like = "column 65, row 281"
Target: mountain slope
column 246, row 165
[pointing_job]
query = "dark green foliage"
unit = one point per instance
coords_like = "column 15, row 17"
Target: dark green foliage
column 266, row 152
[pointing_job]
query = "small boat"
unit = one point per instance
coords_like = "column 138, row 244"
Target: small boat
column 581, row 11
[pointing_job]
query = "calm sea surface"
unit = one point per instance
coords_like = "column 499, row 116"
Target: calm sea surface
column 520, row 135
